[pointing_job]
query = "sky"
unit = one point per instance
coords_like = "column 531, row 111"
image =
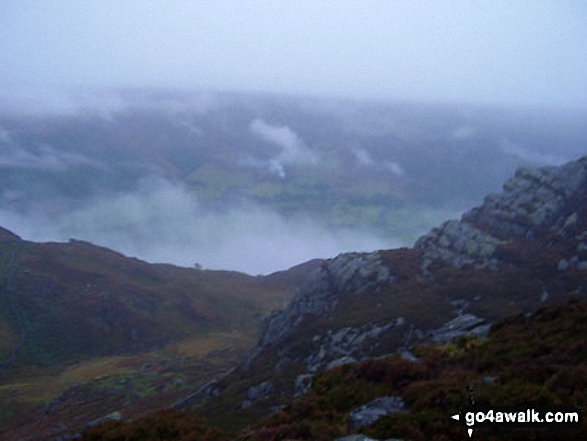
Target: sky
column 522, row 52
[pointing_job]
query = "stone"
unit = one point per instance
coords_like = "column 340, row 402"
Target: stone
column 114, row 416
column 372, row 411
column 458, row 244
column 466, row 324
column 302, row 384
column 259, row 391
column 340, row 361
column 533, row 198
column 348, row 272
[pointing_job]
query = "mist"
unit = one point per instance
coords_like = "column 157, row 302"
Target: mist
column 256, row 182
column 164, row 223
column 499, row 52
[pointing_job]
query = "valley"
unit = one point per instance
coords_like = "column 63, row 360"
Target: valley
column 343, row 210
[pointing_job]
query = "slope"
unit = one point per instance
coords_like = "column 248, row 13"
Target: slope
column 522, row 249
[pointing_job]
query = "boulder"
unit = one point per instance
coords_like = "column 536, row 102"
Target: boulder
column 372, row 411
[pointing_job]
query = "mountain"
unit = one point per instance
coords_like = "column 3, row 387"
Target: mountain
column 522, row 249
column 491, row 306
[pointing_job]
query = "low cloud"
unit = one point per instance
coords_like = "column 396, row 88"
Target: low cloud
column 293, row 149
column 44, row 157
column 464, row 132
column 163, row 222
column 533, row 157
column 395, row 168
column 364, row 159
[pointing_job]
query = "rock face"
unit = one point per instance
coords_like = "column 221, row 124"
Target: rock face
column 534, row 199
column 458, row 243
column 350, row 272
column 466, row 324
column 338, row 346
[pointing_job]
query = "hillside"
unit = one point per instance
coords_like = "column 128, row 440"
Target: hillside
column 521, row 250
column 414, row 328
column 79, row 321
column 533, row 359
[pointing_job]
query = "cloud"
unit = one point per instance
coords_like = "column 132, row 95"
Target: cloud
column 526, row 154
column 163, row 222
column 464, row 132
column 395, row 168
column 524, row 52
column 44, row 157
column 365, row 159
column 5, row 137
column 293, row 149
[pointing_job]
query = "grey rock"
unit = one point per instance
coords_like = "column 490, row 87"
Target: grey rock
column 114, row 416
column 532, row 198
column 458, row 243
column 302, row 384
column 260, row 390
column 277, row 408
column 563, row 265
column 372, row 411
column 408, row 355
column 570, row 221
column 257, row 392
column 466, row 324
column 343, row 342
column 490, row 379
column 349, row 272
column 206, row 392
column 340, row 361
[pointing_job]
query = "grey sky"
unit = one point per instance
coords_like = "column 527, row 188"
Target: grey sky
column 504, row 51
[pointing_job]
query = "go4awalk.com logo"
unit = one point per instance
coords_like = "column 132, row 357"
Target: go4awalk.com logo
column 515, row 416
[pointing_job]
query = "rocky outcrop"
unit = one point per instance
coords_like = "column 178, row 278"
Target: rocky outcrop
column 459, row 244
column 534, row 199
column 340, row 346
column 372, row 411
column 466, row 324
column 114, row 416
column 255, row 393
column 350, row 272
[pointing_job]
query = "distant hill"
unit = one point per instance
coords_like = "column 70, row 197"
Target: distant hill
column 78, row 320
column 390, row 170
column 78, row 300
